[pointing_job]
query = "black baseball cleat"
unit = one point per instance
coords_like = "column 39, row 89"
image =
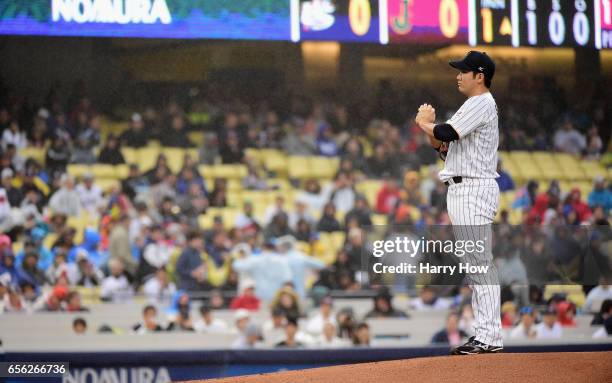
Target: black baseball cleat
column 473, row 347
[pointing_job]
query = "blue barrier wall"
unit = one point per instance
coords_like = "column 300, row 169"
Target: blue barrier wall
column 141, row 367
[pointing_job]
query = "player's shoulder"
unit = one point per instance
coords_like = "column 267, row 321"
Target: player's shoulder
column 484, row 102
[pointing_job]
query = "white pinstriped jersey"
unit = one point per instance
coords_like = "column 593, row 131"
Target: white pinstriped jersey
column 474, row 154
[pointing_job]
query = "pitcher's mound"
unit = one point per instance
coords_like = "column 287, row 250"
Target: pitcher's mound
column 532, row 367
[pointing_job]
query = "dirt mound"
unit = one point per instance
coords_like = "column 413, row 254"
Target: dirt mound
column 532, row 367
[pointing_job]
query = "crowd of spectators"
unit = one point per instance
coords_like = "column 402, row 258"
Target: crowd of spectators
column 147, row 239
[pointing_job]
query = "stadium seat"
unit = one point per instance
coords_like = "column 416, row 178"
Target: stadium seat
column 279, row 184
column 205, row 221
column 570, row 165
column 274, row 161
column 298, row 167
column 527, row 168
column 256, row 197
column 37, row 154
column 77, row 170
column 49, row 240
column 207, row 171
column 593, row 169
column 147, row 157
column 197, row 138
column 104, row 171
column 175, row 158
column 370, row 189
column 89, row 295
column 230, row 171
column 234, row 198
column 130, row 155
column 17, row 247
column 234, row 184
column 574, row 293
column 324, row 167
column 379, row 219
column 337, row 240
column 122, row 171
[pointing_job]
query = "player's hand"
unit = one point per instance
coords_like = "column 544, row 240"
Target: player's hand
column 426, row 114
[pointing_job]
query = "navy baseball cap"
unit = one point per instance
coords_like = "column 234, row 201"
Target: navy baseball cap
column 477, row 62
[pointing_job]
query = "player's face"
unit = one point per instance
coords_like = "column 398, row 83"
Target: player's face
column 467, row 82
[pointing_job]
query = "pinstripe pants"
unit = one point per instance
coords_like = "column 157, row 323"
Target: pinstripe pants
column 472, row 206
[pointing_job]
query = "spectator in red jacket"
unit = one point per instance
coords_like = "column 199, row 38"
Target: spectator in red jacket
column 387, row 196
column 247, row 299
column 566, row 314
column 574, row 203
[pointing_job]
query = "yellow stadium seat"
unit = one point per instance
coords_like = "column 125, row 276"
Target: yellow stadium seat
column 130, row 155
column 49, row 240
column 194, row 153
column 337, row 239
column 205, row 221
column 17, row 247
column 147, row 158
column 171, row 266
column 197, row 138
column 274, row 161
column 298, row 167
column 89, row 295
column 254, row 155
column 515, row 217
column 593, row 169
column 122, row 171
column 256, row 197
column 370, row 189
column 379, row 219
column 104, row 171
column 234, row 184
column 207, row 171
column 302, row 246
column 574, row 293
column 230, row 171
column 229, row 217
column 570, row 165
column 78, row 170
column 279, row 183
column 323, row 167
column 77, row 224
column 175, row 158
column 210, row 184
column 525, row 165
column 37, row 154
column 234, row 198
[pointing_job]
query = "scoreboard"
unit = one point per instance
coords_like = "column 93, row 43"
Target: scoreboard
column 536, row 23
column 527, row 23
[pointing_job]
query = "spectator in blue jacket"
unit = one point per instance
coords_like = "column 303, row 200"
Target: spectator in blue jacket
column 600, row 196
column 190, row 269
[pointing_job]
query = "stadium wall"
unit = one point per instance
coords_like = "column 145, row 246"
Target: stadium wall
column 140, row 367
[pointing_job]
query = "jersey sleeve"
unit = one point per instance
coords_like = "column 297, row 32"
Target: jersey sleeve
column 470, row 116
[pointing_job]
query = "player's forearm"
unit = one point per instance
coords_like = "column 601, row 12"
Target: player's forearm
column 428, row 128
column 434, row 142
